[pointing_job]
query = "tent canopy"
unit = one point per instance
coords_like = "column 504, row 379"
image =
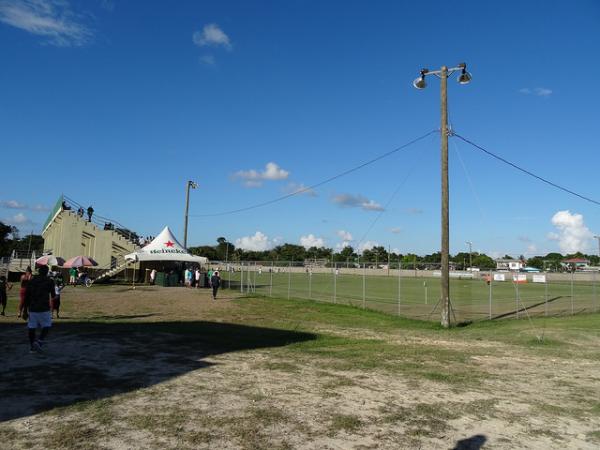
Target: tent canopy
column 165, row 247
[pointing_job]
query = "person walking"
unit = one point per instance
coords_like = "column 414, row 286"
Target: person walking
column 90, row 212
column 39, row 297
column 215, row 282
column 152, row 276
column 25, row 278
column 4, row 287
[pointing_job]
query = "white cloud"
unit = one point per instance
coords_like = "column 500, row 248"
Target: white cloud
column 539, row 91
column 311, row 241
column 531, row 249
column 52, row 19
column 254, row 178
column 344, row 235
column 357, row 201
column 209, row 60
column 572, row 236
column 395, row 230
column 414, row 211
column 18, row 219
column 40, row 208
column 341, row 245
column 300, row 189
column 258, row 243
column 542, row 92
column 367, row 245
column 12, row 204
column 211, row 35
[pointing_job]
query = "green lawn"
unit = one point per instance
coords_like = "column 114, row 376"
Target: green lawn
column 171, row 368
column 418, row 297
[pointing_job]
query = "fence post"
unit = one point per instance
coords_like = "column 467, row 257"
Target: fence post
column 594, row 288
column 254, row 282
column 364, row 285
column 310, row 283
column 399, row 283
column 289, row 278
column 490, row 296
column 517, row 295
column 546, row 296
column 572, row 294
column 271, row 279
column 241, row 277
column 335, row 283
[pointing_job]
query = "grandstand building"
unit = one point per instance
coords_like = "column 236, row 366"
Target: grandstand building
column 68, row 233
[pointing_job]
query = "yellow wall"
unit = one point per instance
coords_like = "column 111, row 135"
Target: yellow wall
column 69, row 235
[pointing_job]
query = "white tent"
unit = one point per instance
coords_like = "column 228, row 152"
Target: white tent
column 165, row 247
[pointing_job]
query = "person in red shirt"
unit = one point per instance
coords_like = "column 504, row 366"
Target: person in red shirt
column 24, row 281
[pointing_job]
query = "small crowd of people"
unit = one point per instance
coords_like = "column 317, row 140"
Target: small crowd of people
column 80, row 210
column 192, row 279
column 145, row 240
column 39, row 298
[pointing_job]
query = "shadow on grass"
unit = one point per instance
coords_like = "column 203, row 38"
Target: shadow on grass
column 89, row 360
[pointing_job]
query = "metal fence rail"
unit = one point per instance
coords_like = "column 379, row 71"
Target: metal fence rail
column 414, row 292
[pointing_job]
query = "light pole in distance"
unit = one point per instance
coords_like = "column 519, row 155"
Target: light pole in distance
column 188, row 185
column 470, row 244
column 419, row 83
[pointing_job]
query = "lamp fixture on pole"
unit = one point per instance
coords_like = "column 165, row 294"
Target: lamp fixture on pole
column 419, row 83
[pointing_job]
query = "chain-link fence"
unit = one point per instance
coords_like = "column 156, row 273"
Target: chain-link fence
column 414, row 290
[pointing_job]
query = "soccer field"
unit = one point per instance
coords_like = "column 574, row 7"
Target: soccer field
column 418, row 297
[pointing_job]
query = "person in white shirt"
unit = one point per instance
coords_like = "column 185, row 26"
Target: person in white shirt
column 197, row 275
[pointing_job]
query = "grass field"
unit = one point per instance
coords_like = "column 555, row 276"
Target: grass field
column 170, row 368
column 418, row 297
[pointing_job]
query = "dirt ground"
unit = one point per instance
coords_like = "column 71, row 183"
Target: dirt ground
column 171, row 368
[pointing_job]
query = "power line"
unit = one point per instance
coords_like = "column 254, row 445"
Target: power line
column 321, row 183
column 499, row 158
column 376, row 219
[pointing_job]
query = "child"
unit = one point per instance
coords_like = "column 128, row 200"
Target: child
column 4, row 286
column 56, row 303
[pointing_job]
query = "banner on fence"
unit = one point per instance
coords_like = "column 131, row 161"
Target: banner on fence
column 520, row 278
column 499, row 277
column 539, row 278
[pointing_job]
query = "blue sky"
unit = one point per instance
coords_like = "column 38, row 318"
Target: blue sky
column 118, row 103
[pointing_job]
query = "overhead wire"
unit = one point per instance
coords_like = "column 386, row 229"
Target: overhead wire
column 321, row 183
column 385, row 207
column 544, row 180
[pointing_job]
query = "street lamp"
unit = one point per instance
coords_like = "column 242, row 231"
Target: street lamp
column 419, row 83
column 188, row 185
column 470, row 244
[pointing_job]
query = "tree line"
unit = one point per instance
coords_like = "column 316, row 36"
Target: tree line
column 10, row 240
column 226, row 251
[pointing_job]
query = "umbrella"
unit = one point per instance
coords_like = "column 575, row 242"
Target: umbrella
column 80, row 261
column 49, row 260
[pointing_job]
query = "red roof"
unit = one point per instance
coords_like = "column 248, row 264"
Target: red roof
column 576, row 260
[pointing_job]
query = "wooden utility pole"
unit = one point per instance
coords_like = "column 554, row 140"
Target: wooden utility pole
column 419, row 83
column 188, row 185
column 445, row 291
